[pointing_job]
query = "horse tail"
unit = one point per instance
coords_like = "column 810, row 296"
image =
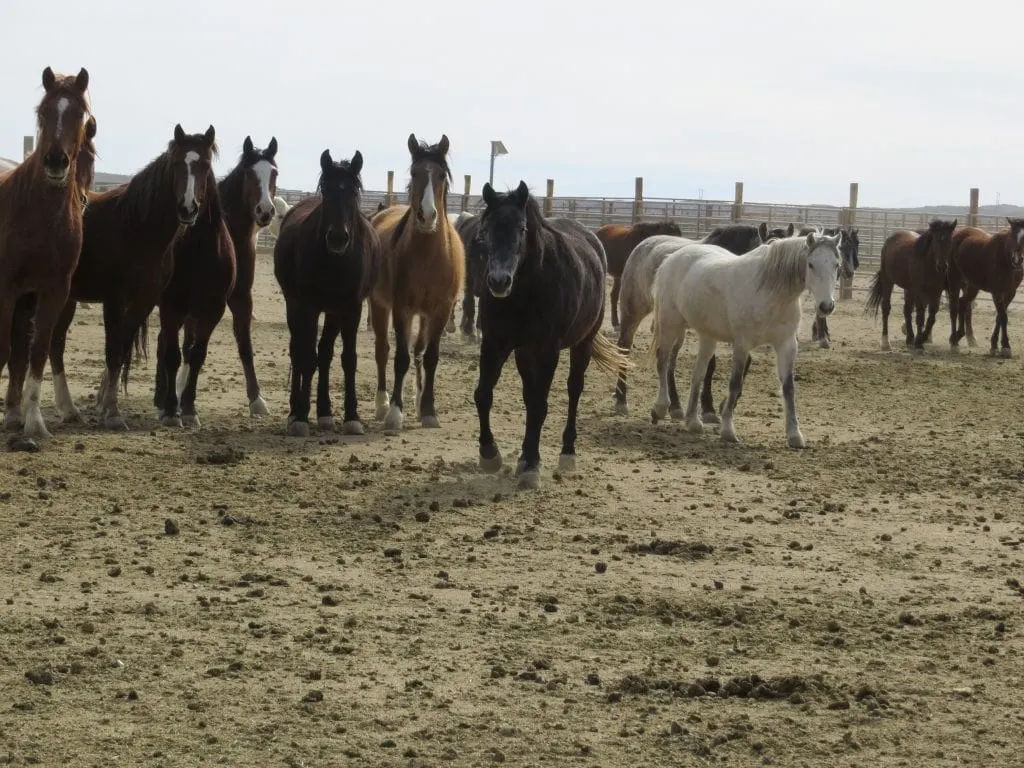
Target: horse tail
column 140, row 350
column 608, row 356
column 875, row 293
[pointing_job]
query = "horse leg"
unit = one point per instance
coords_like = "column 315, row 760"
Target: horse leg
column 670, row 331
column 707, row 402
column 379, row 319
column 579, row 361
column 627, row 329
column 886, row 309
column 675, row 410
column 48, row 311
column 1002, row 319
column 924, row 328
column 542, row 364
column 417, row 359
column 616, row 286
column 324, row 357
column 58, row 342
column 821, row 323
column 739, row 360
column 17, row 362
column 785, row 355
column 492, row 360
column 168, row 359
column 705, row 351
column 468, row 309
column 967, row 310
column 8, row 302
column 450, row 327
column 426, row 405
column 349, row 336
column 241, row 322
column 302, row 350
column 195, row 355
column 908, row 311
column 953, row 292
column 188, row 340
column 403, row 328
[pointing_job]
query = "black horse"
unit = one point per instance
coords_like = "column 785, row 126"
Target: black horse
column 326, row 259
column 545, row 292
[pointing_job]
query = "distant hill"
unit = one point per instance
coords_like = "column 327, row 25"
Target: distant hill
column 961, row 210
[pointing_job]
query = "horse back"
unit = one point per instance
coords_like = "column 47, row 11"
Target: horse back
column 618, row 242
column 984, row 260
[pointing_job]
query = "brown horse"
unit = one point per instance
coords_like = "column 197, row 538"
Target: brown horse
column 619, row 241
column 41, row 238
column 983, row 262
column 127, row 260
column 422, row 268
column 917, row 263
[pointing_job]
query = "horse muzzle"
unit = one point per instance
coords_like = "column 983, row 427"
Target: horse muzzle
column 56, row 167
column 499, row 284
column 827, row 307
column 337, row 242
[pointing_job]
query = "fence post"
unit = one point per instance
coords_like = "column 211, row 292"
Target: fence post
column 638, row 199
column 737, row 203
column 845, row 283
column 549, row 198
column 466, row 192
column 972, row 214
column 28, row 144
column 389, row 197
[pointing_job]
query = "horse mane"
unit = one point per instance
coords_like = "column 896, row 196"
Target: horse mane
column 923, row 243
column 784, row 264
column 231, row 185
column 433, row 153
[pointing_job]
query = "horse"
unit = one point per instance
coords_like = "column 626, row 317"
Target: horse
column 982, row 262
column 214, row 267
column 545, row 292
column 851, row 260
column 636, row 302
column 422, row 268
column 918, row 264
column 468, row 228
column 280, row 209
column 127, row 260
column 326, row 260
column 41, row 227
column 619, row 240
column 748, row 300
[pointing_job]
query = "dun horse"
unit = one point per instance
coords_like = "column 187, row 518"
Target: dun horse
column 748, row 300
column 918, row 264
column 983, row 262
column 545, row 293
column 422, row 268
column 326, row 260
column 41, row 239
column 127, row 260
column 619, row 241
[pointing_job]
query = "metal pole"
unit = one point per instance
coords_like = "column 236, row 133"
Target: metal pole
column 492, row 164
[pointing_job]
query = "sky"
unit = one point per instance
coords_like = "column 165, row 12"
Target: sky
column 916, row 101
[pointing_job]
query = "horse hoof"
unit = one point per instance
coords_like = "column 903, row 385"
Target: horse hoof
column 971, row 341
column 393, row 419
column 170, row 421
column 492, row 464
column 677, row 414
column 529, row 481
column 885, row 346
column 258, row 407
column 695, row 426
column 430, row 422
column 567, row 463
column 621, row 408
column 73, row 416
column 353, row 428
column 824, row 343
column 658, row 413
column 191, row 420
column 35, row 429
column 298, row 429
column 1006, row 352
column 710, row 417
column 729, row 436
column 325, row 423
column 383, row 402
column 12, row 421
column 796, row 440
column 115, row 423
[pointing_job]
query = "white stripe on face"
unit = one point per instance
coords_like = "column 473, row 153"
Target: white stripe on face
column 264, row 169
column 62, row 106
column 427, row 206
column 189, row 199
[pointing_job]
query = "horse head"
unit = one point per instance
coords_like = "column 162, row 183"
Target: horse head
column 341, row 187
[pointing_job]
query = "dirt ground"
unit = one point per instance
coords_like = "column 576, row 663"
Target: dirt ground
column 230, row 596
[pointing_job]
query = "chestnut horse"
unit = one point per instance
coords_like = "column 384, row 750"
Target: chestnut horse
column 983, row 262
column 422, row 267
column 41, row 239
column 127, row 260
column 619, row 240
column 326, row 259
column 917, row 263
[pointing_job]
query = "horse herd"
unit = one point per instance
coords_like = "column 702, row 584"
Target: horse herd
column 175, row 239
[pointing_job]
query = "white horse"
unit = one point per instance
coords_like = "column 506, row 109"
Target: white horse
column 748, row 300
column 281, row 207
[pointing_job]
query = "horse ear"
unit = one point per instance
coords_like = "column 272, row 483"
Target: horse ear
column 762, row 230
column 271, row 150
column 356, row 165
column 414, row 145
column 325, row 161
column 444, row 144
column 953, row 225
column 179, row 133
column 90, row 128
column 247, row 146
column 810, row 239
column 790, row 230
column 488, row 194
column 522, row 194
column 49, row 79
column 209, row 136
column 82, row 81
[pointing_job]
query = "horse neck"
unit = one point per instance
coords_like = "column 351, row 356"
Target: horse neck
column 148, row 206
column 237, row 215
column 25, row 183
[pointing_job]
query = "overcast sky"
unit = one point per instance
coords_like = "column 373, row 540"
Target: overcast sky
column 917, row 101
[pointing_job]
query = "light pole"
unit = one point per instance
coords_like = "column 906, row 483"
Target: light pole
column 497, row 148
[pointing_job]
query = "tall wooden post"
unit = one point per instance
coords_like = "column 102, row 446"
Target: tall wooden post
column 389, row 198
column 638, row 200
column 466, row 192
column 549, row 198
column 972, row 214
column 850, row 220
column 737, row 204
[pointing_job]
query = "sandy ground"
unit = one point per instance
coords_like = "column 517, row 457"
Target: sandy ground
column 376, row 601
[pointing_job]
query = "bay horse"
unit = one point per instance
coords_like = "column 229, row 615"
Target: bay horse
column 422, row 268
column 326, row 260
column 127, row 260
column 545, row 292
column 40, row 240
column 982, row 262
column 468, row 228
column 619, row 240
column 748, row 300
column 214, row 267
column 918, row 264
column 850, row 248
column 636, row 302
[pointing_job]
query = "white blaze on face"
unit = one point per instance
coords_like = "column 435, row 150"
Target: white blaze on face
column 62, row 106
column 264, row 169
column 189, row 198
column 427, row 206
